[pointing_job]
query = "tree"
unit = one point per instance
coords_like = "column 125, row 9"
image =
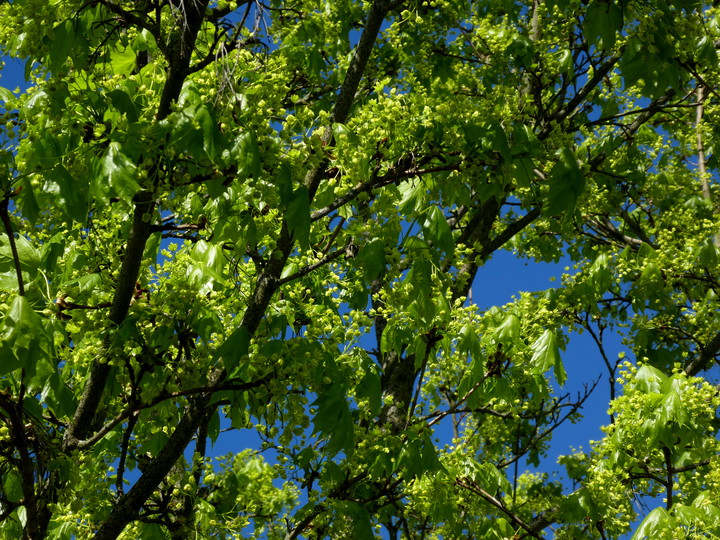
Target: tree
column 270, row 215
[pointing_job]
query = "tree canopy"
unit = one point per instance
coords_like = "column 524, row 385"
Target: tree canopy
column 269, row 215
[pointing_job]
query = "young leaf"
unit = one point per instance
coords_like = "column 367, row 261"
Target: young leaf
column 371, row 258
column 233, row 349
column 602, row 21
column 297, row 217
column 566, row 184
column 655, row 525
column 333, row 419
column 546, row 355
column 437, row 231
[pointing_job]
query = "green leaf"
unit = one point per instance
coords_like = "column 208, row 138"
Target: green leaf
column 648, row 379
column 244, row 153
column 12, row 485
column 522, row 51
column 27, row 253
column 284, row 183
column 25, row 336
column 210, row 131
column 566, row 184
column 546, row 355
column 600, row 273
column 688, row 515
column 154, row 444
column 58, row 396
column 707, row 253
column 341, row 131
column 508, row 333
column 523, row 171
column 7, row 97
column 151, row 531
column 706, row 503
column 655, row 525
column 123, row 61
column 672, row 410
column 371, row 258
column 437, row 231
column 61, row 45
column 297, row 217
column 213, row 427
column 705, row 52
column 73, row 200
column 122, row 101
column 28, row 203
column 602, row 21
column 117, row 175
column 490, row 477
column 369, row 388
column 333, row 419
column 233, row 349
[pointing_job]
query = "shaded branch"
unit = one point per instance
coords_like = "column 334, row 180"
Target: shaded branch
column 5, row 216
column 82, row 422
column 130, row 19
column 706, row 355
column 127, row 507
column 351, row 82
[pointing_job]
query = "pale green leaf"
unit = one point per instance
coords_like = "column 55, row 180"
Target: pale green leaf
column 655, row 525
column 546, row 355
column 297, row 217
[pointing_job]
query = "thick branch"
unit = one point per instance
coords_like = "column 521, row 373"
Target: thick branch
column 81, row 425
column 706, row 355
column 179, row 54
column 139, row 234
column 476, row 233
column 128, row 506
column 339, row 114
column 32, row 529
column 5, row 216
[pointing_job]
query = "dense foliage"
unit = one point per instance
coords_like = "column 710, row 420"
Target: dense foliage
column 269, row 216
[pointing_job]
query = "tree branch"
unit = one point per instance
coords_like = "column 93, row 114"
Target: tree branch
column 82, row 422
column 565, row 111
column 314, row 266
column 351, row 82
column 5, row 216
column 471, row 486
column 129, row 411
column 707, row 353
column 127, row 507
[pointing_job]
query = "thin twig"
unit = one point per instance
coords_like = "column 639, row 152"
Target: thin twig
column 497, row 503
